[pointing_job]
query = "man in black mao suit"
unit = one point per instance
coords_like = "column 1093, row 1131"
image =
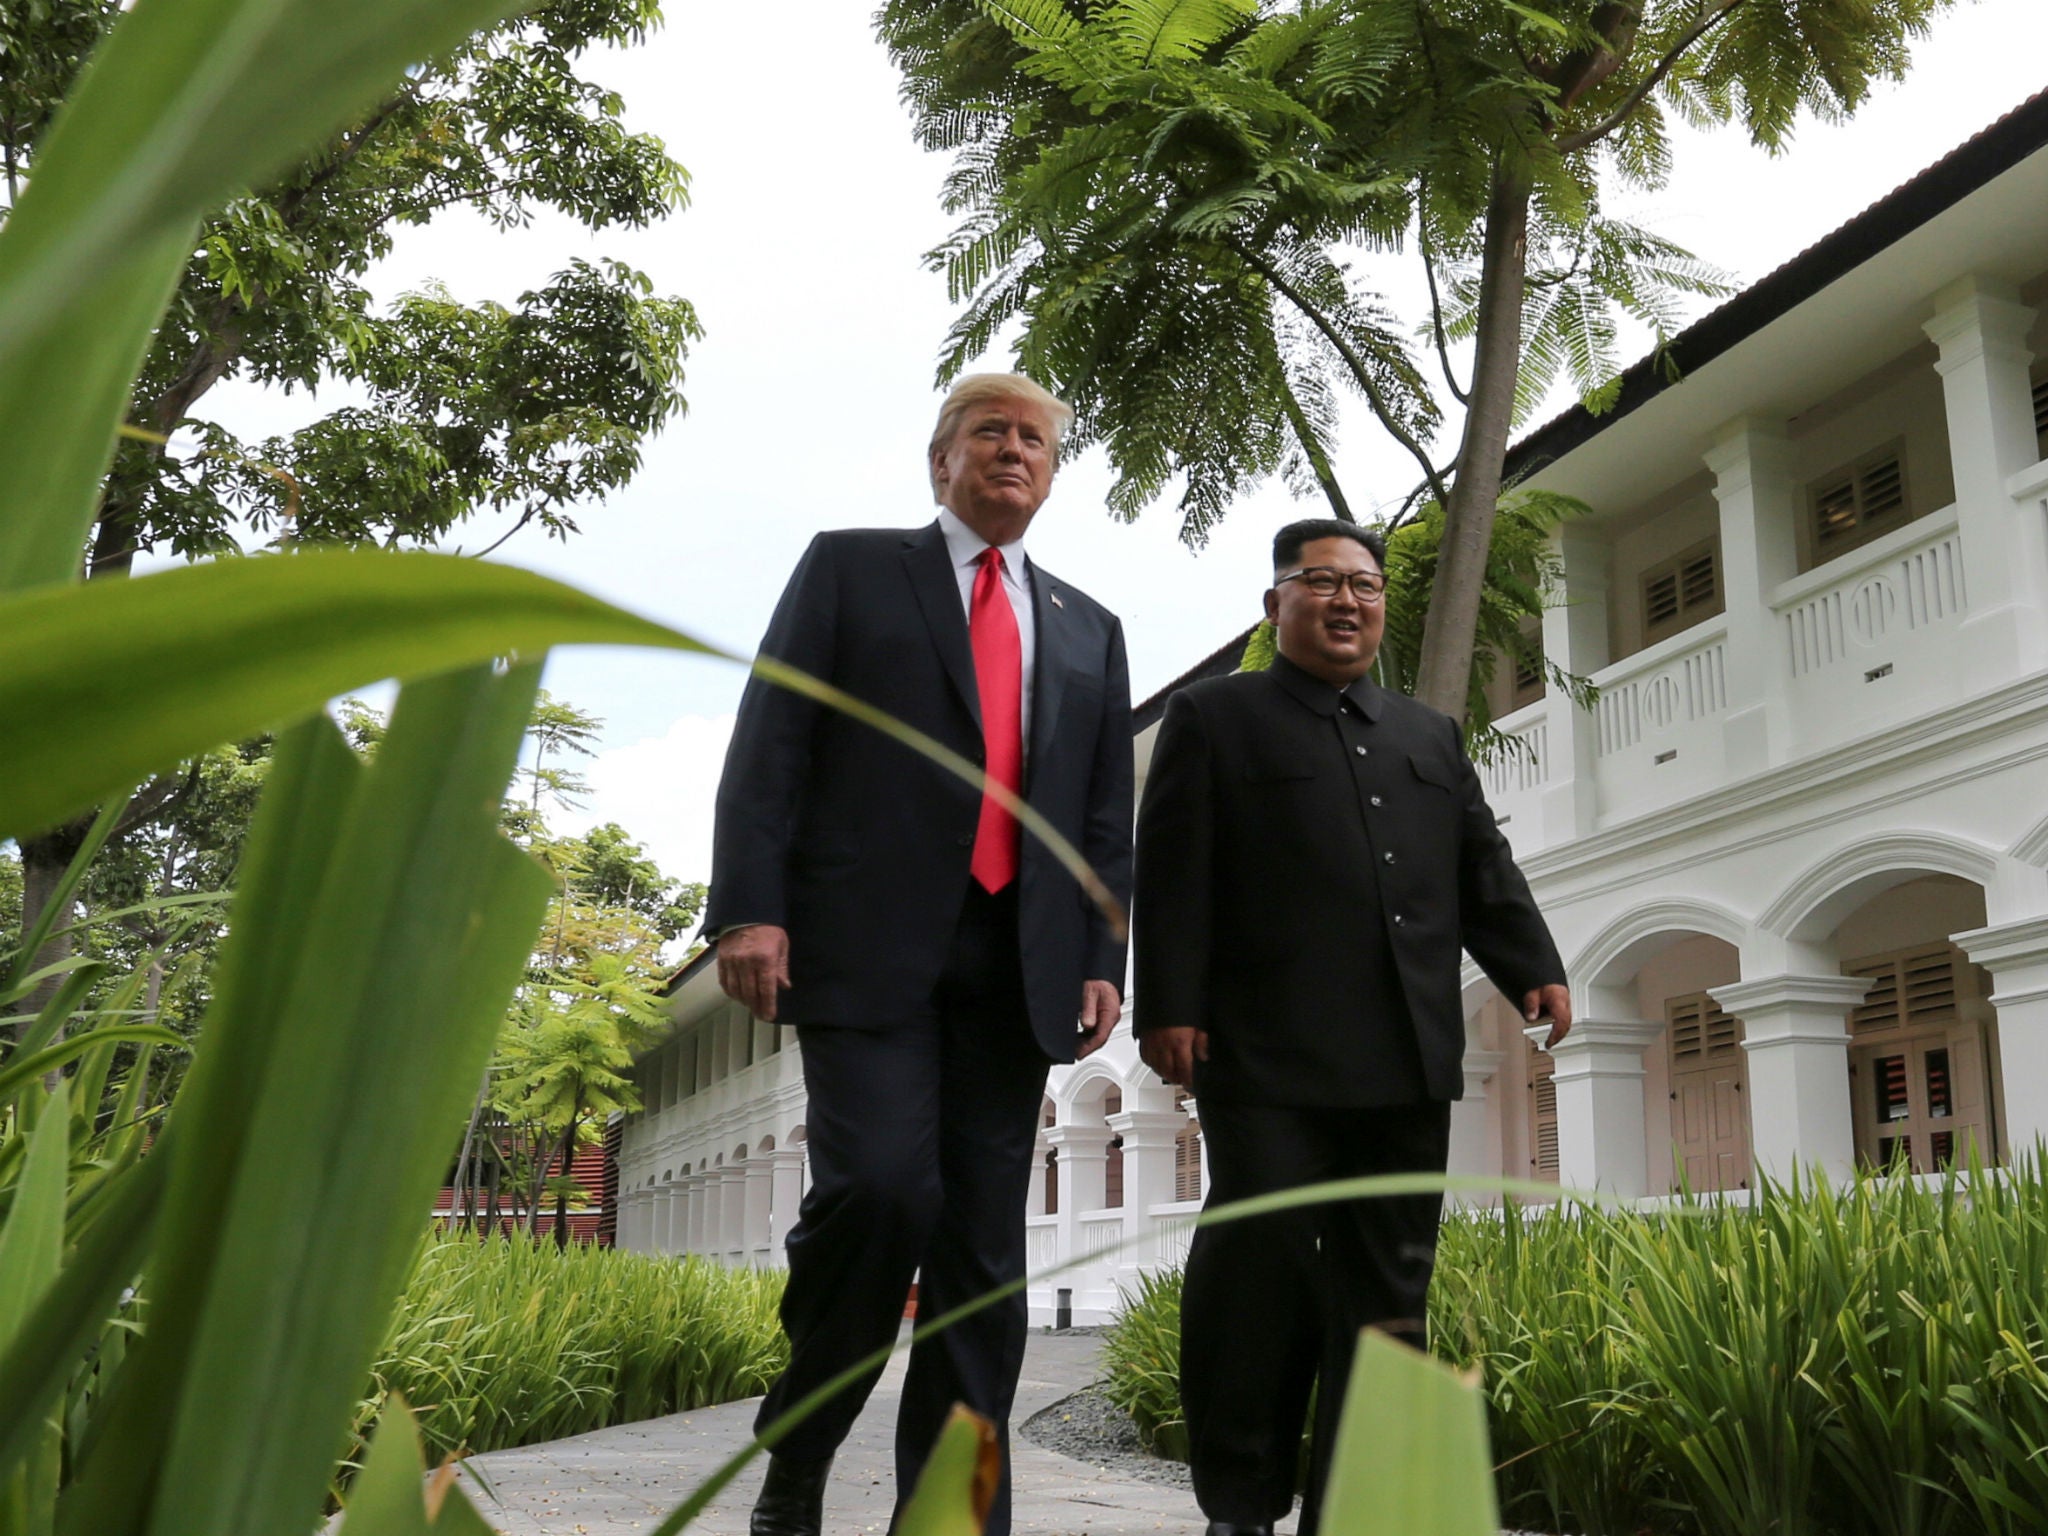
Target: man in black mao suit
column 1313, row 853
column 933, row 962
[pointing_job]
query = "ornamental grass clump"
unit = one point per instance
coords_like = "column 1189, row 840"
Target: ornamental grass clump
column 500, row 1344
column 1869, row 1359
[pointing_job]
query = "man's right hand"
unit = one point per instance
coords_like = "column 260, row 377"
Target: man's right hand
column 753, row 963
column 1172, row 1052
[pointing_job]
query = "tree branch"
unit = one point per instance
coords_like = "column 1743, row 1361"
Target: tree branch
column 1352, row 360
column 1572, row 143
column 1436, row 307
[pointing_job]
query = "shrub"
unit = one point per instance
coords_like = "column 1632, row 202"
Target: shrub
column 507, row 1343
column 1868, row 1360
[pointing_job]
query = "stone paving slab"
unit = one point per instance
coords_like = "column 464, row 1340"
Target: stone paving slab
column 625, row 1479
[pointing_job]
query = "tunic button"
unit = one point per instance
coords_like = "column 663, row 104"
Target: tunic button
column 1361, row 751
column 1390, row 858
column 1375, row 799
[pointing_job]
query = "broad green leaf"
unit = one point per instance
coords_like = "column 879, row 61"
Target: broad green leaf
column 379, row 931
column 1411, row 1452
column 149, row 671
column 388, row 1500
column 186, row 103
column 31, row 1256
column 958, row 1483
column 153, row 670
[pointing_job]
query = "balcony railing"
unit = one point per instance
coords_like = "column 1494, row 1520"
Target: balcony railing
column 1911, row 580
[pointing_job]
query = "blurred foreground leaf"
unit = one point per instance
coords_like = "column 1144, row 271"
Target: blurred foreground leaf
column 958, row 1483
column 1411, row 1456
column 387, row 1499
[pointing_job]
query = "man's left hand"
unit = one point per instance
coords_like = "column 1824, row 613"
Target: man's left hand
column 1553, row 1002
column 1101, row 1007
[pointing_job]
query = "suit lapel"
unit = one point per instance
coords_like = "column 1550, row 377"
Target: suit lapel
column 1049, row 668
column 938, row 594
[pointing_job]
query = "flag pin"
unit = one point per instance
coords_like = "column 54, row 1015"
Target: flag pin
column 1056, row 600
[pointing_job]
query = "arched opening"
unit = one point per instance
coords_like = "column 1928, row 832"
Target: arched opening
column 1924, row 1080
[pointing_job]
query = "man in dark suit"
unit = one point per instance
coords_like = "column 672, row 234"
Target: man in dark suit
column 933, row 963
column 1313, row 853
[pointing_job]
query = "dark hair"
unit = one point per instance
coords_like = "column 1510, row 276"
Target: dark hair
column 1288, row 542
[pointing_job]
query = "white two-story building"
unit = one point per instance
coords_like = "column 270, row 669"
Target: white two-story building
column 1796, row 857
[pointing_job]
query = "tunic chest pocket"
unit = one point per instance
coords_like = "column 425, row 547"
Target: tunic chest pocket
column 1431, row 771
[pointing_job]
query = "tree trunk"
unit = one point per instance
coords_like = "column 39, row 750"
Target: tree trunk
column 491, row 1206
column 455, row 1201
column 562, row 1191
column 44, row 860
column 1445, row 669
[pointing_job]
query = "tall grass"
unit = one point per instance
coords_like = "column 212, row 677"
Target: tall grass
column 507, row 1343
column 1868, row 1360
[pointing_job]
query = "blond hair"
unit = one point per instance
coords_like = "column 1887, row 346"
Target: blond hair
column 978, row 388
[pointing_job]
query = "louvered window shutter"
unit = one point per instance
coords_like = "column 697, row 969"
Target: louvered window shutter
column 1680, row 592
column 1856, row 503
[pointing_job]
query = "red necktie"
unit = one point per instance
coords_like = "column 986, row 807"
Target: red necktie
column 999, row 676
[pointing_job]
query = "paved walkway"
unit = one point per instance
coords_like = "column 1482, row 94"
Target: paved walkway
column 626, row 1479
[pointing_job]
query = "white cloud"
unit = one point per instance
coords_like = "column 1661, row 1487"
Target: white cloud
column 660, row 789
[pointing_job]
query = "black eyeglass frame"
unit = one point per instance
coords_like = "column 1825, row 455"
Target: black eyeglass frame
column 1366, row 586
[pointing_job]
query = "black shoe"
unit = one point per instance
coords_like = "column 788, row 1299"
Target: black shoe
column 792, row 1501
column 1232, row 1528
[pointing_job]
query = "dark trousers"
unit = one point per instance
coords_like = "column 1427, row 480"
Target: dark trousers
column 1272, row 1306
column 921, row 1133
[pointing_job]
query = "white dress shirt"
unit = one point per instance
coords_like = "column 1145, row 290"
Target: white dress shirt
column 964, row 546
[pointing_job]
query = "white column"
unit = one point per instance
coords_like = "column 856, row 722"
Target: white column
column 1752, row 466
column 1148, row 1167
column 1795, row 1029
column 1475, row 1149
column 1601, row 1141
column 788, row 1193
column 1084, row 1150
column 666, row 1215
column 758, row 1185
column 697, row 1194
column 2016, row 955
column 732, row 1215
column 1575, row 637
column 1981, row 328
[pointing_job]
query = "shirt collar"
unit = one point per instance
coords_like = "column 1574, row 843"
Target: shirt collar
column 964, row 545
column 1319, row 696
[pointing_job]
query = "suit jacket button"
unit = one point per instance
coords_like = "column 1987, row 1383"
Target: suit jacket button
column 1361, row 752
column 1389, row 858
column 1397, row 919
column 965, row 840
column 1375, row 799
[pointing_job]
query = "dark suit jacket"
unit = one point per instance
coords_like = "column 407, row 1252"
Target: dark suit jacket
column 1305, row 901
column 859, row 847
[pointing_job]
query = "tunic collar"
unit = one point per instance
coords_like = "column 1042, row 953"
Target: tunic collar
column 1363, row 692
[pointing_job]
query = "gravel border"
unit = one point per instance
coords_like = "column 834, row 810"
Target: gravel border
column 1088, row 1427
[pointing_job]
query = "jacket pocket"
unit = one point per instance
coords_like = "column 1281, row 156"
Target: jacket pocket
column 1433, row 771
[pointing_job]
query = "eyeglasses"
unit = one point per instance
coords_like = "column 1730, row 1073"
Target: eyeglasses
column 1366, row 586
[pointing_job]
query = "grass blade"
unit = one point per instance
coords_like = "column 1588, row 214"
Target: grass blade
column 31, row 1256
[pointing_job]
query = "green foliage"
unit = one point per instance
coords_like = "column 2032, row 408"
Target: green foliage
column 1141, row 1354
column 505, row 1344
column 525, row 409
column 1870, row 1360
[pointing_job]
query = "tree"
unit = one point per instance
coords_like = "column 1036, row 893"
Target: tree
column 1165, row 192
column 524, row 411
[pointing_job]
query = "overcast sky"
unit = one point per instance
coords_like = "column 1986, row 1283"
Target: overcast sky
column 811, row 395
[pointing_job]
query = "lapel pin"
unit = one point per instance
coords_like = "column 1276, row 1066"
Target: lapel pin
column 1055, row 596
